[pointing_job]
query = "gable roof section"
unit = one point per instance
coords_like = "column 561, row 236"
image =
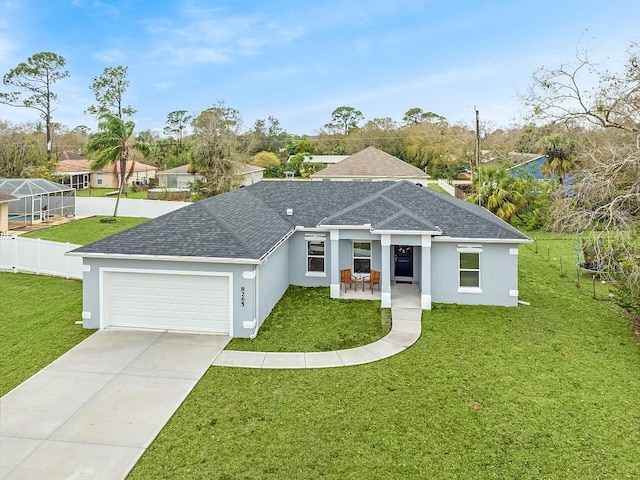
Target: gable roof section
column 137, row 167
column 68, row 155
column 81, row 165
column 6, row 197
column 382, row 212
column 184, row 169
column 247, row 223
column 371, row 163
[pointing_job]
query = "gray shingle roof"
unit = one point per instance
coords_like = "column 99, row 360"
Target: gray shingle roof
column 248, row 222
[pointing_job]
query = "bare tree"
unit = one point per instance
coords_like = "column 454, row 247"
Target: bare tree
column 605, row 205
column 604, row 201
column 559, row 95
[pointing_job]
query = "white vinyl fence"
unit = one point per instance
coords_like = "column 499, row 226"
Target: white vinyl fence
column 128, row 207
column 446, row 186
column 33, row 255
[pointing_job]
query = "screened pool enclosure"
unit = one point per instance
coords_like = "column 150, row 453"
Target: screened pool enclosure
column 38, row 200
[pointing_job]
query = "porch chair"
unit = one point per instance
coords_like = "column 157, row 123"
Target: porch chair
column 348, row 279
column 372, row 279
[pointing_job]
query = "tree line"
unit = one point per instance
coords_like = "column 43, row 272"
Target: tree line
column 590, row 137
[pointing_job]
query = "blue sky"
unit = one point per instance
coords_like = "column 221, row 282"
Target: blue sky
column 299, row 60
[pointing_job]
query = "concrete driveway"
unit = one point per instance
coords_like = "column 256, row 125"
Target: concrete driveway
column 93, row 412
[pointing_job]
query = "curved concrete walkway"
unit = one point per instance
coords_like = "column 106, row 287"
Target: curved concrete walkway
column 406, row 326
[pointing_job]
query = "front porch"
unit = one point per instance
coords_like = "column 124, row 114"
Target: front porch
column 403, row 295
column 401, row 260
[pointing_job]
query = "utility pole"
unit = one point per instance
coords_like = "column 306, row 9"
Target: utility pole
column 477, row 152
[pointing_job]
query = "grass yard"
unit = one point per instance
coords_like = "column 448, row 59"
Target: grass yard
column 84, row 231
column 436, row 187
column 298, row 323
column 102, row 192
column 543, row 391
column 37, row 325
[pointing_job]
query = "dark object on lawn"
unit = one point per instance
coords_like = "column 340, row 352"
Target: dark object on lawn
column 108, row 220
column 589, row 255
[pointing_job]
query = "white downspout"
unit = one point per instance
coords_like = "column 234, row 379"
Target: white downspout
column 257, row 300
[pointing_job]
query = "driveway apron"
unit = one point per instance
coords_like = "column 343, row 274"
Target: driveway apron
column 92, row 413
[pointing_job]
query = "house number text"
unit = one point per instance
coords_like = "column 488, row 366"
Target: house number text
column 242, row 297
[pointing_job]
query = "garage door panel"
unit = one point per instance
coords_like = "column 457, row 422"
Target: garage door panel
column 167, row 301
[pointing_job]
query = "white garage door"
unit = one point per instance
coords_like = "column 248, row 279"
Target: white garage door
column 167, row 301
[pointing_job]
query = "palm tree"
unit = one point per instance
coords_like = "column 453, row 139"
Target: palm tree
column 561, row 153
column 111, row 145
column 497, row 191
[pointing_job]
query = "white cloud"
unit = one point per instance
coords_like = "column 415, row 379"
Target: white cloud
column 110, row 55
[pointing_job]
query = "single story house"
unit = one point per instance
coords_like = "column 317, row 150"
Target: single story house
column 5, row 198
column 371, row 164
column 178, row 177
column 75, row 171
column 107, row 177
column 221, row 264
column 182, row 177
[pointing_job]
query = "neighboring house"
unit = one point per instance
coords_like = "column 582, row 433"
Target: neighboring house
column 5, row 198
column 249, row 174
column 182, row 178
column 178, row 177
column 74, row 170
column 221, row 264
column 110, row 178
column 528, row 164
column 372, row 164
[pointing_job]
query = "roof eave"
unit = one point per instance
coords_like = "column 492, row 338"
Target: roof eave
column 406, row 232
column 367, row 176
column 166, row 258
column 366, row 226
column 483, row 240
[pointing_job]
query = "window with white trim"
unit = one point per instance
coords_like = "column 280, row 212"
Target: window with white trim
column 99, row 181
column 361, row 257
column 315, row 256
column 469, row 269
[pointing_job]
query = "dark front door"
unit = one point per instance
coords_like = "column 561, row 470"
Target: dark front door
column 403, row 261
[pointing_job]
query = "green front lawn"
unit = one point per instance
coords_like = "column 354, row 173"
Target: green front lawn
column 84, row 231
column 543, row 391
column 102, row 192
column 548, row 390
column 37, row 324
column 308, row 320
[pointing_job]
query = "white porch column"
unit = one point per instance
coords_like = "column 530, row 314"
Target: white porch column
column 385, row 274
column 334, row 269
column 425, row 273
